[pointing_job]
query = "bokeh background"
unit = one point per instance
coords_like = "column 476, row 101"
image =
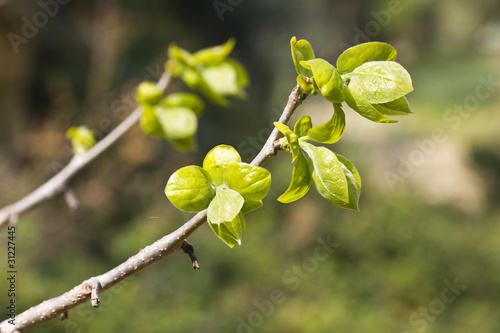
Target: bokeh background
column 429, row 207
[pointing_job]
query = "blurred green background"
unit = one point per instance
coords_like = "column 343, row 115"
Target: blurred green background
column 429, row 208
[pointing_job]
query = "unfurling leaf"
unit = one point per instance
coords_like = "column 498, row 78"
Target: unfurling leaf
column 250, row 206
column 358, row 103
column 225, row 206
column 190, row 189
column 82, row 139
column 359, row 54
column 251, row 181
column 327, row 79
column 291, row 137
column 149, row 122
column 302, row 126
column 218, row 160
column 148, row 93
column 177, row 122
column 230, row 232
column 186, row 100
column 332, row 130
column 215, row 55
column 397, row 107
column 301, row 181
column 301, row 51
column 380, row 81
column 353, row 181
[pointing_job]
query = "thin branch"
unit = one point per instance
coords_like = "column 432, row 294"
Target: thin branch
column 58, row 183
column 162, row 248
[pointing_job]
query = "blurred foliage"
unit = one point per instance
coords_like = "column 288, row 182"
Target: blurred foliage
column 440, row 222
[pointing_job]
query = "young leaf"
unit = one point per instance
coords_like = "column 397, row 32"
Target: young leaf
column 332, row 130
column 250, row 206
column 218, row 160
column 301, row 51
column 292, row 138
column 230, row 232
column 353, row 181
column 241, row 74
column 225, row 206
column 180, row 56
column 177, row 122
column 186, row 100
column 397, row 107
column 222, row 79
column 252, row 182
column 358, row 103
column 307, row 85
column 301, row 181
column 82, row 139
column 148, row 93
column 380, row 81
column 302, row 126
column 215, row 55
column 327, row 78
column 149, row 122
column 190, row 189
column 327, row 173
column 359, row 54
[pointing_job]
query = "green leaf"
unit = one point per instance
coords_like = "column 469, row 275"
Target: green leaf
column 302, row 126
column 230, row 232
column 177, row 122
column 190, row 189
column 307, row 85
column 215, row 55
column 357, row 102
column 292, row 138
column 186, row 100
column 192, row 78
column 301, row 51
column 397, row 107
column 186, row 144
column 359, row 54
column 181, row 56
column 149, row 122
column 327, row 173
column 241, row 73
column 301, row 181
column 148, row 93
column 353, row 181
column 250, row 206
column 251, row 181
column 380, row 81
column 331, row 131
column 82, row 139
column 225, row 206
column 218, row 160
column 219, row 81
column 327, row 79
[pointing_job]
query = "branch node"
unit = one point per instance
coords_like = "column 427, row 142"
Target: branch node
column 189, row 249
column 63, row 315
column 93, row 287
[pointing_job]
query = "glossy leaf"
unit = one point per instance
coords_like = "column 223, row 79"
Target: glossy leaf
column 186, row 100
column 218, row 160
column 353, row 181
column 302, row 126
column 225, row 206
column 148, row 93
column 82, row 139
column 359, row 54
column 357, row 102
column 190, row 189
column 251, row 181
column 292, row 138
column 395, row 108
column 215, row 55
column 177, row 122
column 327, row 79
column 301, row 51
column 230, row 232
column 332, row 130
column 301, row 181
column 380, row 81
column 327, row 173
column 250, row 206
column 149, row 122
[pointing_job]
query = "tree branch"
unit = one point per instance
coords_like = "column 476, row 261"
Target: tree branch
column 147, row 256
column 58, row 183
